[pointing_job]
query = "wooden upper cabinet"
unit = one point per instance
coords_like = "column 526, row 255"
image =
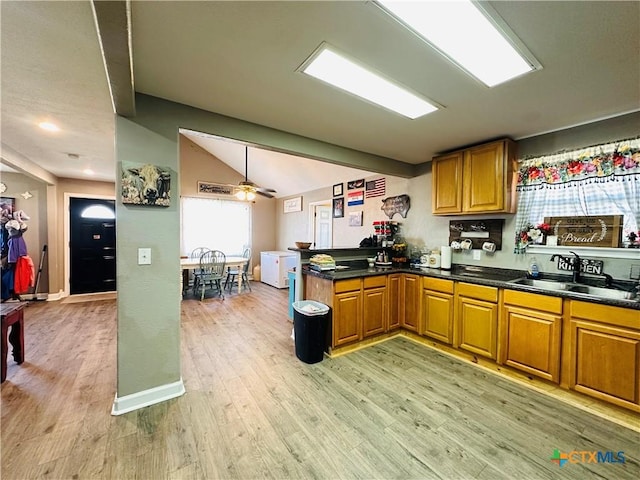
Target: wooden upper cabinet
column 483, row 179
column 479, row 179
column 447, row 179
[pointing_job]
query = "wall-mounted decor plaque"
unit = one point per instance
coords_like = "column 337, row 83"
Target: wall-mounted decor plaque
column 398, row 204
column 211, row 188
column 591, row 231
column 146, row 184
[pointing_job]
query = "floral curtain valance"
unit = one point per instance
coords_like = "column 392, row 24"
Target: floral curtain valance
column 598, row 163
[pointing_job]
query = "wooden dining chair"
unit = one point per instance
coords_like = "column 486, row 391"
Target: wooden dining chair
column 210, row 273
column 232, row 273
column 195, row 254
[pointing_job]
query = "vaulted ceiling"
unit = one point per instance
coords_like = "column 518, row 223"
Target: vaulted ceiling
column 240, row 59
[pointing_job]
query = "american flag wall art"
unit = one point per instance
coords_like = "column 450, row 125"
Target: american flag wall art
column 375, row 188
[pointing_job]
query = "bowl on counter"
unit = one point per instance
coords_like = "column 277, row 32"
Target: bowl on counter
column 303, row 245
column 371, row 261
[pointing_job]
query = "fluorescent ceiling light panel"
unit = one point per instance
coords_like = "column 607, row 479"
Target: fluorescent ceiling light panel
column 460, row 31
column 333, row 68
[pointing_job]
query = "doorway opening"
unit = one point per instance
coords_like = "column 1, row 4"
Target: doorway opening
column 321, row 224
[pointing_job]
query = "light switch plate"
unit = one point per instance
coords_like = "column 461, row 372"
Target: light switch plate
column 477, row 254
column 144, row 256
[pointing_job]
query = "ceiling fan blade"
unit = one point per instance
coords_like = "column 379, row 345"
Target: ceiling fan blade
column 264, row 194
column 265, row 190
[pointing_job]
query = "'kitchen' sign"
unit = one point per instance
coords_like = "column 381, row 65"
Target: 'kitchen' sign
column 592, row 231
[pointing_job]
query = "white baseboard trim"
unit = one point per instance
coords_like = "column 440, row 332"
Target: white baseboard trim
column 52, row 297
column 142, row 399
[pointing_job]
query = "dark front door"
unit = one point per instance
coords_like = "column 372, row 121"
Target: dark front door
column 93, row 245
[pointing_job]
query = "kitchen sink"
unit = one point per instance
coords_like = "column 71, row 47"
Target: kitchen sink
column 544, row 284
column 577, row 288
column 603, row 292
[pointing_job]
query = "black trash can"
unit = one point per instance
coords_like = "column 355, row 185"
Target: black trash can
column 310, row 325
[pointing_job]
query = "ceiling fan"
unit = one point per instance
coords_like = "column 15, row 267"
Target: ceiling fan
column 246, row 190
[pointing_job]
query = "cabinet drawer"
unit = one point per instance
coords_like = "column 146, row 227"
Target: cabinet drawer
column 437, row 284
column 348, row 285
column 481, row 292
column 377, row 281
column 535, row 301
column 622, row 317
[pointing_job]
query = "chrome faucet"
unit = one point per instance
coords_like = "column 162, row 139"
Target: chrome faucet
column 576, row 268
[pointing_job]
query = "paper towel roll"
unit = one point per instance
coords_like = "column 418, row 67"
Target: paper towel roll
column 445, row 261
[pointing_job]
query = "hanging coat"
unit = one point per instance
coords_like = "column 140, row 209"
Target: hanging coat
column 17, row 248
column 24, row 275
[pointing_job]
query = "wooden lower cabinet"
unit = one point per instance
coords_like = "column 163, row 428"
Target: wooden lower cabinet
column 410, row 302
column 393, row 301
column 533, row 342
column 347, row 318
column 604, row 346
column 374, row 311
column 359, row 309
column 588, row 347
column 438, row 309
column 532, row 333
column 476, row 319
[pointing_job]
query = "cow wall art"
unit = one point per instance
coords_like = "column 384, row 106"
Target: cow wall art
column 146, row 185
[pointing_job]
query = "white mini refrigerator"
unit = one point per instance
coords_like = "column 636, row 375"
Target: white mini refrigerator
column 274, row 266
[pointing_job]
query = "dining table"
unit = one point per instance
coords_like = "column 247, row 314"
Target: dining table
column 188, row 263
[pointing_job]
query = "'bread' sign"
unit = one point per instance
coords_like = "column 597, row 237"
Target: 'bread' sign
column 591, row 231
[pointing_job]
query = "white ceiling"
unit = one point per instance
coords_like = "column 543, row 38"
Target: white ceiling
column 240, row 59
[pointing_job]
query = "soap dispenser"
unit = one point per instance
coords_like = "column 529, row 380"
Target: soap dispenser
column 533, row 268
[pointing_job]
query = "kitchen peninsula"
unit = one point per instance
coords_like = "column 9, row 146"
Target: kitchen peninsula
column 549, row 329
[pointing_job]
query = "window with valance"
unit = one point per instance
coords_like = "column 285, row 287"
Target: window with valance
column 597, row 180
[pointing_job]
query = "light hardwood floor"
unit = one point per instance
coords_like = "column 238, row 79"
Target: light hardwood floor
column 252, row 410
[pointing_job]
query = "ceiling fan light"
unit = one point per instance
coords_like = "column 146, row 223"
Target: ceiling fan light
column 241, row 195
column 251, row 195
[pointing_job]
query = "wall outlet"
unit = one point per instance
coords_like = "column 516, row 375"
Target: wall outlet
column 477, row 254
column 144, row 256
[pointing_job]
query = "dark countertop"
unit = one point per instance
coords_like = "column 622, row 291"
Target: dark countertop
column 493, row 277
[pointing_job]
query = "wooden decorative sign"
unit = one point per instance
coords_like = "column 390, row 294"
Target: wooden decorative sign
column 215, row 188
column 592, row 231
column 398, row 204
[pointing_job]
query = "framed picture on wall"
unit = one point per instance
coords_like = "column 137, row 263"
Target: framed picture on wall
column 354, row 184
column 293, row 205
column 355, row 219
column 147, row 185
column 8, row 206
column 338, row 207
column 337, row 190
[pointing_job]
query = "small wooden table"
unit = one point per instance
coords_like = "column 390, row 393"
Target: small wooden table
column 12, row 316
